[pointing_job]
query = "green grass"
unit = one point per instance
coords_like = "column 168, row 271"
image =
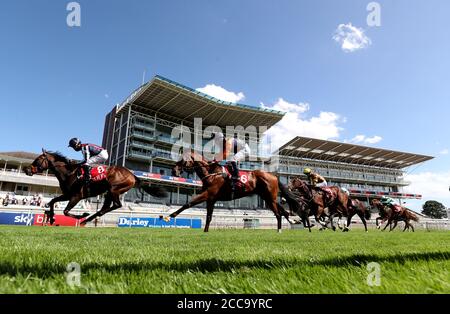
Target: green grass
column 118, row 260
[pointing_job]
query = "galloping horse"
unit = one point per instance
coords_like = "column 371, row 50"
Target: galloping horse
column 318, row 200
column 387, row 214
column 115, row 180
column 357, row 207
column 217, row 187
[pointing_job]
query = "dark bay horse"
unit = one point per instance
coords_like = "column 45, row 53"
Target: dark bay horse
column 356, row 208
column 318, row 200
column 217, row 187
column 386, row 213
column 117, row 181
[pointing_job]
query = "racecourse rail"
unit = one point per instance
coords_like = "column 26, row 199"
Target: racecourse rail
column 150, row 216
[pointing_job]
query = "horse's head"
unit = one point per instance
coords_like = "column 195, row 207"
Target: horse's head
column 177, row 170
column 39, row 165
column 297, row 184
column 188, row 163
column 375, row 203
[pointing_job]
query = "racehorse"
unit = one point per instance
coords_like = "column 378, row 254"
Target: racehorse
column 297, row 204
column 386, row 213
column 357, row 207
column 338, row 202
column 217, row 187
column 114, row 180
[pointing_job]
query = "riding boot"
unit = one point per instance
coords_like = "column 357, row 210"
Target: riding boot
column 87, row 175
column 234, row 177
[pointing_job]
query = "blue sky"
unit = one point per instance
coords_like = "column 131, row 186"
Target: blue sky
column 57, row 82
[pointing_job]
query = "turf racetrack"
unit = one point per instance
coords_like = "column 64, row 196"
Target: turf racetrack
column 122, row 260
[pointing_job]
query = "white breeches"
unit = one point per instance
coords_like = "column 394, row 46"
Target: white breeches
column 240, row 155
column 324, row 183
column 98, row 159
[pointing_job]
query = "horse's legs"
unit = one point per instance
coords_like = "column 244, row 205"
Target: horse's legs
column 105, row 208
column 285, row 213
column 363, row 219
column 395, row 225
column 331, row 221
column 388, row 224
column 209, row 213
column 51, row 205
column 202, row 197
column 73, row 201
column 273, row 206
column 305, row 220
column 376, row 222
column 349, row 222
column 318, row 214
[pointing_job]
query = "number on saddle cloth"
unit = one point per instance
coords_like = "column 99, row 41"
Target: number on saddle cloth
column 241, row 183
column 97, row 173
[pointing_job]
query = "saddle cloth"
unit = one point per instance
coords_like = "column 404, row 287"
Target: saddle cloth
column 98, row 173
column 242, row 184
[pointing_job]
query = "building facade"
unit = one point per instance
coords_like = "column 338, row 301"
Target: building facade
column 139, row 135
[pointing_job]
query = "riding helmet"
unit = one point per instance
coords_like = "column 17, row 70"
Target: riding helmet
column 306, row 171
column 74, row 142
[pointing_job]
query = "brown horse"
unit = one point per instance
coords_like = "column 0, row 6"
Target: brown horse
column 386, row 213
column 356, row 208
column 217, row 187
column 117, row 181
column 318, row 200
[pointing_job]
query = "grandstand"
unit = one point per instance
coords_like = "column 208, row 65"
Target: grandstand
column 138, row 135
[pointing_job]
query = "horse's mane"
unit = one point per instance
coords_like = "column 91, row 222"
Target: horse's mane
column 60, row 157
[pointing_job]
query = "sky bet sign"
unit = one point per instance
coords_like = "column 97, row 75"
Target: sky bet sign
column 141, row 222
column 16, row 219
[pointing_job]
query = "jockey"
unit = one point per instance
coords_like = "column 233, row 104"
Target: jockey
column 315, row 179
column 93, row 154
column 390, row 203
column 234, row 150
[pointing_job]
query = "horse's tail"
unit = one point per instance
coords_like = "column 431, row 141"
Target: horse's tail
column 153, row 190
column 294, row 205
column 413, row 216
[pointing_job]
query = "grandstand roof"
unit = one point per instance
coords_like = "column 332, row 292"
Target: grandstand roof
column 166, row 97
column 23, row 157
column 324, row 150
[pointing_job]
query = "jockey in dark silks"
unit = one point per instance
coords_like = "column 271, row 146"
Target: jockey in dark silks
column 234, row 150
column 93, row 154
column 390, row 203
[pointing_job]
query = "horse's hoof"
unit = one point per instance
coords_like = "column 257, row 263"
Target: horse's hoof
column 167, row 219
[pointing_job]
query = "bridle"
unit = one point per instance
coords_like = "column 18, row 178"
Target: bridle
column 310, row 193
column 38, row 167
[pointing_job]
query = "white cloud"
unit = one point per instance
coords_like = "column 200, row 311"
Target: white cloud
column 351, row 38
column 221, row 93
column 365, row 140
column 431, row 185
column 444, row 152
column 106, row 96
column 295, row 123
